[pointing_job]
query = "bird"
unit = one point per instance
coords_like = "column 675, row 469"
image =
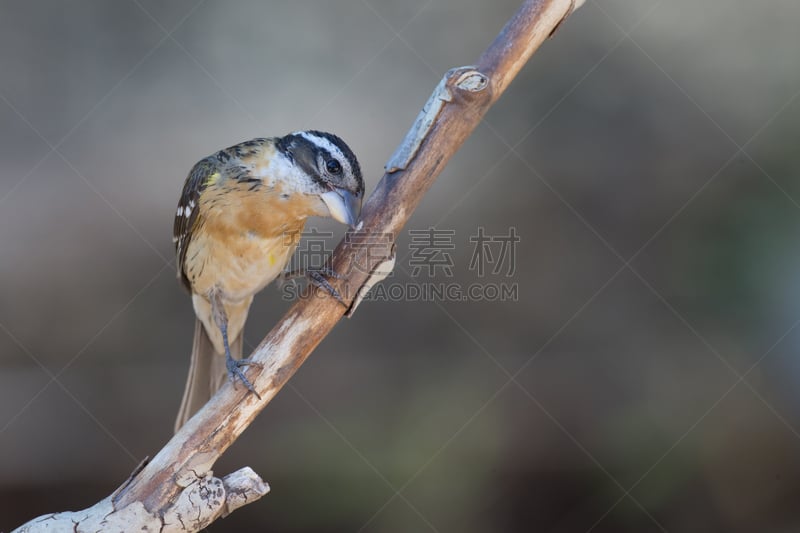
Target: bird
column 239, row 219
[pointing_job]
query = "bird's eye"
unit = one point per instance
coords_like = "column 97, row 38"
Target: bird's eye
column 333, row 166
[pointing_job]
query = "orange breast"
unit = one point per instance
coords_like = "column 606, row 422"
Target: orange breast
column 245, row 238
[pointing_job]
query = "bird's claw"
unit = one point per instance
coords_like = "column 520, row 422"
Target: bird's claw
column 321, row 271
column 327, row 271
column 234, row 372
column 317, row 277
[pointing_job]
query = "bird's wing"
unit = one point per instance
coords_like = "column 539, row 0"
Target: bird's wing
column 186, row 217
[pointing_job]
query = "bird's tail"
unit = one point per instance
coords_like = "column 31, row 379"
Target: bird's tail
column 207, row 373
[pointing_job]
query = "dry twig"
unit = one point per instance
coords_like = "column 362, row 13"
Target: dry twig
column 176, row 491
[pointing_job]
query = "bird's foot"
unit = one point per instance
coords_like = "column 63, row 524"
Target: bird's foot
column 317, row 277
column 235, row 371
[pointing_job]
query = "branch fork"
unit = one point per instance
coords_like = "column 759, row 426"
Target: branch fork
column 204, row 499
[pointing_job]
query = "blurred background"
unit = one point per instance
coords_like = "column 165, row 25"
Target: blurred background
column 643, row 375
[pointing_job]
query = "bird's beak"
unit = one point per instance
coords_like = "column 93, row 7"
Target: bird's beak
column 343, row 205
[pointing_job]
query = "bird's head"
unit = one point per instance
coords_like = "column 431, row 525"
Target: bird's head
column 322, row 165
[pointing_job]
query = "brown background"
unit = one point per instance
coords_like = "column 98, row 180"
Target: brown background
column 653, row 182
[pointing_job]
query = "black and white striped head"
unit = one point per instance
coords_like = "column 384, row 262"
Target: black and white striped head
column 332, row 167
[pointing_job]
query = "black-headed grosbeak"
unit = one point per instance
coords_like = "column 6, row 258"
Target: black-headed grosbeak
column 239, row 219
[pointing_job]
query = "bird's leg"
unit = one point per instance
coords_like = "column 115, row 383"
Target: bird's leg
column 233, row 365
column 316, row 276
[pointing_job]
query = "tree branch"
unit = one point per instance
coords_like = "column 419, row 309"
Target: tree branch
column 176, row 491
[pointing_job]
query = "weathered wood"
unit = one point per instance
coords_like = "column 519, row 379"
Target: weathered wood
column 451, row 114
